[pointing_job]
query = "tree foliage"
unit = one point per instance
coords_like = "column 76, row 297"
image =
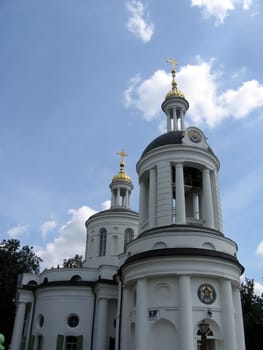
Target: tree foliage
column 14, row 260
column 75, row 262
column 252, row 306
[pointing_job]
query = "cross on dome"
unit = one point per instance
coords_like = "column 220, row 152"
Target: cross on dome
column 175, row 91
column 122, row 154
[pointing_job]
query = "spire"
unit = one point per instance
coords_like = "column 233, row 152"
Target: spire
column 175, row 91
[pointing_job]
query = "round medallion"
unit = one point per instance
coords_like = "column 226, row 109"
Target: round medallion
column 206, row 293
column 195, row 136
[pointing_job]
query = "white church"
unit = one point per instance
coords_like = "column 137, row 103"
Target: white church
column 164, row 278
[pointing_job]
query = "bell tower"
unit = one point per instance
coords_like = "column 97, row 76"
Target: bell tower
column 181, row 272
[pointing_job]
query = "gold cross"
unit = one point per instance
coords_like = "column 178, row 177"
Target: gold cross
column 122, row 154
column 173, row 62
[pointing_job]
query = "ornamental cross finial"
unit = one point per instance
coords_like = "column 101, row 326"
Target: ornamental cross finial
column 173, row 63
column 122, row 154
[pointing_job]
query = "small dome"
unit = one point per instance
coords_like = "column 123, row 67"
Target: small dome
column 175, row 92
column 121, row 176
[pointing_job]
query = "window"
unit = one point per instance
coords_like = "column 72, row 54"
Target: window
column 73, row 321
column 40, row 321
column 71, row 343
column 128, row 236
column 75, row 278
column 103, row 239
column 210, row 340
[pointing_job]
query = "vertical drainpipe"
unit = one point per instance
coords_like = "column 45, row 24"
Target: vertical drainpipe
column 93, row 317
column 120, row 315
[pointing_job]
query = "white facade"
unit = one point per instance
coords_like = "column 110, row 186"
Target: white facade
column 149, row 280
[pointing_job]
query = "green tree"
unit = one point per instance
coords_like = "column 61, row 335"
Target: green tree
column 75, row 262
column 14, row 260
column 252, row 306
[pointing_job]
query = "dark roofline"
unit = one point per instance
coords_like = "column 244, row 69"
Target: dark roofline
column 70, row 283
column 173, row 252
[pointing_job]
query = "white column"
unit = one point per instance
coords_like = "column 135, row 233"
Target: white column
column 218, row 209
column 141, row 331
column 175, row 120
column 168, row 122
column 152, row 198
column 119, row 311
column 142, row 204
column 112, row 199
column 101, row 324
column 118, row 197
column 18, row 326
column 240, row 337
column 180, row 197
column 228, row 319
column 186, row 336
column 208, row 200
column 125, row 326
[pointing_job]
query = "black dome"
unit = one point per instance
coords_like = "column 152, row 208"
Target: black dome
column 170, row 138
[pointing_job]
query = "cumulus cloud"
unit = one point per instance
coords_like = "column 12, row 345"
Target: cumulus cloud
column 138, row 22
column 106, row 205
column 71, row 239
column 47, row 226
column 220, row 8
column 199, row 82
column 259, row 250
column 146, row 94
column 258, row 288
column 16, row 231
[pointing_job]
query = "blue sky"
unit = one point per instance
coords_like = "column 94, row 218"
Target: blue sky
column 79, row 80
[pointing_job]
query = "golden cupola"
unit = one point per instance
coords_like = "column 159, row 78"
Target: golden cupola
column 175, row 104
column 122, row 175
column 121, row 186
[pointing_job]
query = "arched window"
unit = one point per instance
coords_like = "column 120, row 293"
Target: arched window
column 210, row 340
column 103, row 241
column 128, row 236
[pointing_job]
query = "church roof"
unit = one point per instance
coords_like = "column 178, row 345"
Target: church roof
column 170, row 138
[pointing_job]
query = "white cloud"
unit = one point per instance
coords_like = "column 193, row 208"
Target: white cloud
column 258, row 288
column 242, row 101
column 138, row 23
column 259, row 250
column 199, row 82
column 71, row 239
column 47, row 226
column 106, row 205
column 146, row 95
column 220, row 8
column 16, row 231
